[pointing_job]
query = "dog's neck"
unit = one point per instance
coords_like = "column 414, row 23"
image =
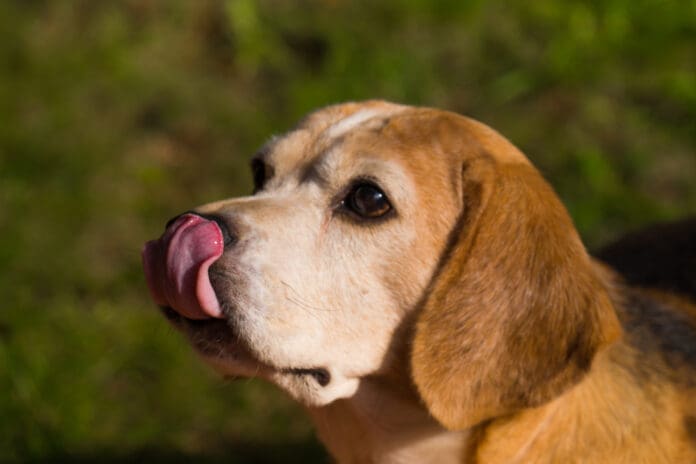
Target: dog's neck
column 385, row 424
column 597, row 420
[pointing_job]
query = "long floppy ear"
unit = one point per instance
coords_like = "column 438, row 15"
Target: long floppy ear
column 516, row 313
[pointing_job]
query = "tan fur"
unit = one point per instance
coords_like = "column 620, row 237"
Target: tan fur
column 515, row 304
column 597, row 421
column 519, row 337
column 471, row 324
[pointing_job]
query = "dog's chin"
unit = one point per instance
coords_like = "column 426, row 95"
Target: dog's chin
column 217, row 344
column 215, row 341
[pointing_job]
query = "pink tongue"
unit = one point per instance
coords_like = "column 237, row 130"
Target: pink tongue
column 176, row 266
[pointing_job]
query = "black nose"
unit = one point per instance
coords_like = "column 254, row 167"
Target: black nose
column 229, row 237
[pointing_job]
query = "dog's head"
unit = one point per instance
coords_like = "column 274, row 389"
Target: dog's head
column 366, row 217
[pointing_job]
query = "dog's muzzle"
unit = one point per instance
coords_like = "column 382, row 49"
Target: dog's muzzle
column 176, row 266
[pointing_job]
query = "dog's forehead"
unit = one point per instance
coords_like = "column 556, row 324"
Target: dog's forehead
column 322, row 130
column 334, row 121
column 372, row 123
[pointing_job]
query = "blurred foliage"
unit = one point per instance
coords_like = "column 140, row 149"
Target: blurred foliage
column 115, row 116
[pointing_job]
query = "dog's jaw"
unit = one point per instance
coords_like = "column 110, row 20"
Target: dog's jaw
column 304, row 387
column 216, row 343
column 366, row 420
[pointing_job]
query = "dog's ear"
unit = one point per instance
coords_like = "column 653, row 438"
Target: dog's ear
column 516, row 313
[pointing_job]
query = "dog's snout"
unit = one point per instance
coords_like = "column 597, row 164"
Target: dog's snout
column 229, row 231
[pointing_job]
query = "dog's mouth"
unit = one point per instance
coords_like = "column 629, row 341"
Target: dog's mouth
column 182, row 321
column 177, row 272
column 215, row 338
column 176, row 266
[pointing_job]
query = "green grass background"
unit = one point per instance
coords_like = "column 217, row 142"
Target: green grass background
column 117, row 115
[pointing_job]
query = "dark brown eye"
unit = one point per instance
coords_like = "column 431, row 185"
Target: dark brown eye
column 261, row 172
column 367, row 201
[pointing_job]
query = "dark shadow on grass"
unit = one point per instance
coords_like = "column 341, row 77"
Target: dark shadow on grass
column 238, row 453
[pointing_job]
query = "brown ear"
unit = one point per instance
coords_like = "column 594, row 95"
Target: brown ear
column 516, row 313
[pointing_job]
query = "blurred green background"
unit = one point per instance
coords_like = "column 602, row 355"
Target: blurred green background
column 115, row 116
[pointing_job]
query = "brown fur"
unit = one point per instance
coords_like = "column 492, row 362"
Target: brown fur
column 547, row 355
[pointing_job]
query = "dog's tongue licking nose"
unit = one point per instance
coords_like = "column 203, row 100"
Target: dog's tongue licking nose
column 176, row 266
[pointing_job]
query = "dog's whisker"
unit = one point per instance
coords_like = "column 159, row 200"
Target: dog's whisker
column 301, row 302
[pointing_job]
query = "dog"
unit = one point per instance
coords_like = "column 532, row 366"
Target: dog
column 409, row 276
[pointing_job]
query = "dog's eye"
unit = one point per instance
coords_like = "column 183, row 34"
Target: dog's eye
column 367, row 201
column 261, row 172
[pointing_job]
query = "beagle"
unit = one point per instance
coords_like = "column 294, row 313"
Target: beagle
column 409, row 276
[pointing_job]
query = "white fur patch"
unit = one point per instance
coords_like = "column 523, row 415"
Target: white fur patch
column 351, row 122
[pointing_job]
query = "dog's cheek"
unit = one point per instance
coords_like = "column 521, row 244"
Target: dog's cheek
column 284, row 312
